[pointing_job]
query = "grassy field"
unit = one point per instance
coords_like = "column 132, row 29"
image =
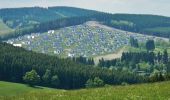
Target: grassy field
column 4, row 29
column 154, row 91
column 159, row 30
column 158, row 48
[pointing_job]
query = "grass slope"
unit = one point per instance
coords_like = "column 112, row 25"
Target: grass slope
column 4, row 29
column 155, row 91
column 11, row 89
column 159, row 30
column 159, row 47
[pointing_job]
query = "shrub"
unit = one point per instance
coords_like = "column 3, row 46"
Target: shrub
column 31, row 78
column 55, row 81
column 96, row 82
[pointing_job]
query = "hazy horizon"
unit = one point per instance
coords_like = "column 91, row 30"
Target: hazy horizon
column 156, row 7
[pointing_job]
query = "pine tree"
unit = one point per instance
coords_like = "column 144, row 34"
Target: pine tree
column 165, row 57
column 55, row 81
column 159, row 57
column 150, row 45
column 47, row 77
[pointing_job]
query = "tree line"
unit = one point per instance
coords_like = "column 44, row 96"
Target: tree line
column 127, row 22
column 15, row 63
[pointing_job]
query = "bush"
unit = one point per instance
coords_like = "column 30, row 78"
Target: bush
column 31, row 78
column 124, row 84
column 96, row 82
column 47, row 77
column 55, row 81
column 157, row 77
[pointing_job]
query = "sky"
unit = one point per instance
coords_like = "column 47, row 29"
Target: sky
column 156, row 7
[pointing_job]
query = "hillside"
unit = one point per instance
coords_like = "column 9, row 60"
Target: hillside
column 23, row 17
column 11, row 89
column 154, row 91
column 4, row 29
column 89, row 40
column 36, row 19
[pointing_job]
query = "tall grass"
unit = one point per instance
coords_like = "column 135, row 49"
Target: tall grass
column 154, row 91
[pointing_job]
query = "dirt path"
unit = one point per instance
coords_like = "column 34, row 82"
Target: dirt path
column 119, row 53
column 110, row 56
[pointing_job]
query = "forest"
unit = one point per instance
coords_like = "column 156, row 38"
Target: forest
column 15, row 62
column 144, row 63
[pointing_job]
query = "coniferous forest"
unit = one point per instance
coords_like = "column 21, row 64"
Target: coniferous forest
column 15, row 62
column 75, row 73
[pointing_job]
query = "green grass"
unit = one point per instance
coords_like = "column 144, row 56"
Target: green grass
column 9, row 89
column 159, row 30
column 132, row 49
column 143, row 49
column 4, row 29
column 154, row 91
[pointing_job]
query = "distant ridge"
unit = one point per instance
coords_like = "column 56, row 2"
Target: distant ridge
column 38, row 19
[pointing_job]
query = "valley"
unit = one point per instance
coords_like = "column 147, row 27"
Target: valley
column 69, row 53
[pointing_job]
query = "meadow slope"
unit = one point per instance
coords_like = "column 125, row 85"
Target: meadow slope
column 153, row 91
column 4, row 29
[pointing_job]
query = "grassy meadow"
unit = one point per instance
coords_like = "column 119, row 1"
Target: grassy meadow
column 160, row 46
column 4, row 29
column 153, row 91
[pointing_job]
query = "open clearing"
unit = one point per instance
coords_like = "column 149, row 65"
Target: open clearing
column 154, row 91
column 115, row 55
column 4, row 29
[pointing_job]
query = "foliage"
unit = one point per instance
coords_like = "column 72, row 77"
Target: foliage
column 142, row 63
column 83, row 60
column 47, row 77
column 15, row 62
column 55, row 81
column 134, row 42
column 165, row 57
column 157, row 77
column 23, row 17
column 150, row 45
column 31, row 78
column 96, row 82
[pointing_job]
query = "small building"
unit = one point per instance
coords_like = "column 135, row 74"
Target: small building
column 17, row 45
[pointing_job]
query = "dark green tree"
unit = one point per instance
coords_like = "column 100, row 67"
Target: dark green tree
column 165, row 57
column 47, row 77
column 150, row 45
column 96, row 82
column 89, row 83
column 157, row 77
column 55, row 82
column 159, row 57
column 134, row 42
